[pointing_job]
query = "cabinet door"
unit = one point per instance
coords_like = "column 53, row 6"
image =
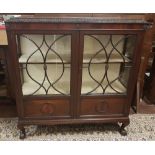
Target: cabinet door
column 45, row 64
column 107, row 69
column 45, row 71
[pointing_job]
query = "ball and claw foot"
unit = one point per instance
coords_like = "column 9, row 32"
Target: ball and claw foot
column 122, row 131
column 22, row 133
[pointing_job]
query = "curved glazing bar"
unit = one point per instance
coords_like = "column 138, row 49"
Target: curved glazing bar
column 45, row 48
column 106, row 55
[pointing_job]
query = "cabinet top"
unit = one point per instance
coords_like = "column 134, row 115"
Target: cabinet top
column 76, row 20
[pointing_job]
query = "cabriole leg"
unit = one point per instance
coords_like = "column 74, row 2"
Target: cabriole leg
column 122, row 131
column 22, row 131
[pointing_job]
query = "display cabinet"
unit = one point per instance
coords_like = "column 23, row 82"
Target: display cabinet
column 74, row 70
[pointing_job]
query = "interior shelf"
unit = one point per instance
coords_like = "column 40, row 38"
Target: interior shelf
column 102, row 59
column 38, row 59
column 66, row 59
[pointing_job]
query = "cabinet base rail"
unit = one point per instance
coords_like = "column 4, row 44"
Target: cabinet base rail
column 24, row 122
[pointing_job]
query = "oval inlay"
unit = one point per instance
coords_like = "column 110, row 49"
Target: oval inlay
column 47, row 108
column 101, row 107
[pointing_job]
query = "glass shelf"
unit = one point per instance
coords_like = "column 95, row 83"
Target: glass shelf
column 102, row 59
column 37, row 58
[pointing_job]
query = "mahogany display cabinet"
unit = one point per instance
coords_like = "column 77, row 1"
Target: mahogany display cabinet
column 74, row 70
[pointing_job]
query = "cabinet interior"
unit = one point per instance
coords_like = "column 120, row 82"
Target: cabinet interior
column 45, row 63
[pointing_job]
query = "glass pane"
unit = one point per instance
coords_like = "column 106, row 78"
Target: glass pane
column 45, row 62
column 107, row 60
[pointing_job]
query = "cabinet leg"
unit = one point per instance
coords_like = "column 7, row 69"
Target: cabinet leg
column 22, row 132
column 122, row 131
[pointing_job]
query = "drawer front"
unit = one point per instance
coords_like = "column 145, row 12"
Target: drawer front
column 102, row 107
column 46, row 108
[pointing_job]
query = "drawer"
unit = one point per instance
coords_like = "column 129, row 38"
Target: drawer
column 45, row 108
column 102, row 107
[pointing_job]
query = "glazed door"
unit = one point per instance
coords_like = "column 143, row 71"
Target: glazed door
column 45, row 63
column 107, row 71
